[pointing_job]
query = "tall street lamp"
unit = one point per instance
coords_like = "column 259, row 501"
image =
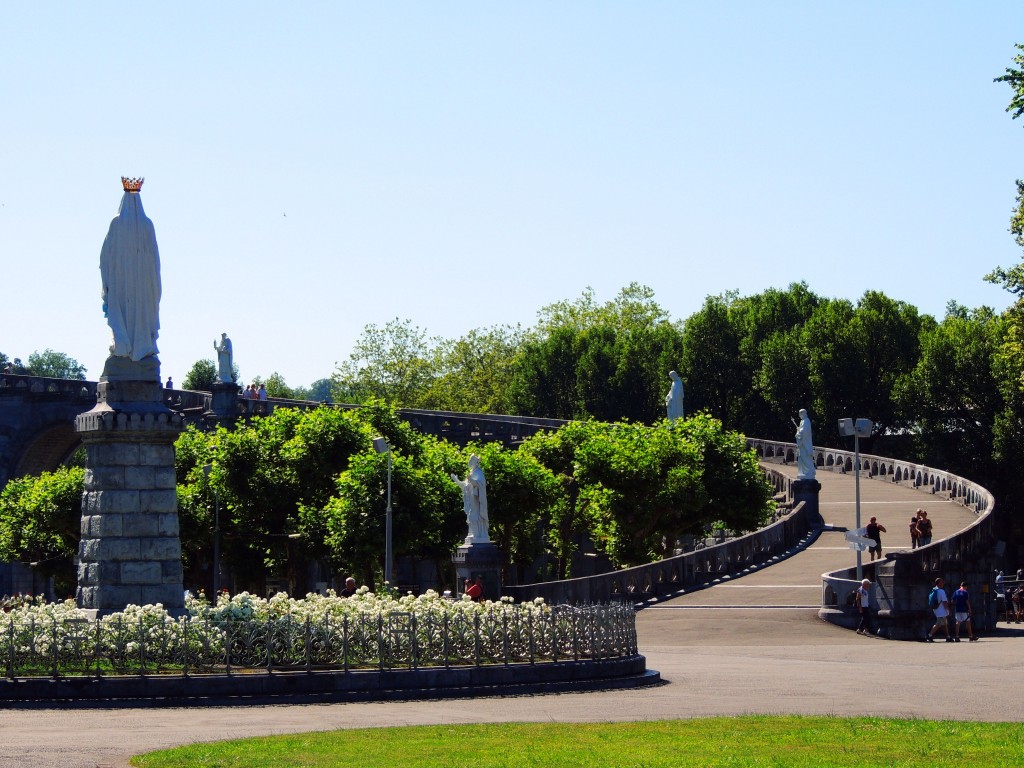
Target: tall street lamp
column 380, row 445
column 858, row 429
column 207, row 468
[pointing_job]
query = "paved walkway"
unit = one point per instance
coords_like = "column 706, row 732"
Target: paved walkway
column 728, row 650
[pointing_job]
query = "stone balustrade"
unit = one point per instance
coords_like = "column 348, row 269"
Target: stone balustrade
column 902, row 579
column 691, row 570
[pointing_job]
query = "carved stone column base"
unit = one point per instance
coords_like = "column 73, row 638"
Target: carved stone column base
column 130, row 551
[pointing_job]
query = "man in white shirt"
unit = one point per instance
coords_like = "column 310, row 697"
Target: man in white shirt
column 864, row 606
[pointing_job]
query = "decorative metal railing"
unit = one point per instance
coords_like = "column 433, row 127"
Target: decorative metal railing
column 39, row 646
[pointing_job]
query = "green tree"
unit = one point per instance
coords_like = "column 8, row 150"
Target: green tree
column 319, row 391
column 201, row 376
column 426, row 504
column 556, row 450
column 392, row 363
column 472, row 373
column 783, row 381
column 856, row 355
column 952, row 395
column 544, row 377
column 1008, row 359
column 40, row 521
column 276, row 386
column 717, row 380
column 635, row 489
column 522, row 497
column 271, row 476
column 604, row 361
column 55, row 365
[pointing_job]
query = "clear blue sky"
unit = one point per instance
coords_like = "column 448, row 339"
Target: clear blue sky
column 314, row 167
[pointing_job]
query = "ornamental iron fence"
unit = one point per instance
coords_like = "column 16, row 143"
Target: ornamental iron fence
column 34, row 646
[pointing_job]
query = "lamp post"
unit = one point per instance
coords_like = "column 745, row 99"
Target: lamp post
column 858, row 429
column 207, row 468
column 380, row 445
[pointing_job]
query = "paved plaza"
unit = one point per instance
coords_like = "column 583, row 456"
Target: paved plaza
column 750, row 645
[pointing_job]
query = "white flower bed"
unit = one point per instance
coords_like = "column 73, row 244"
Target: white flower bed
column 318, row 632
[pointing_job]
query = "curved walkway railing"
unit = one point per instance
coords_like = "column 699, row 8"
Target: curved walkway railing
column 902, row 579
column 687, row 571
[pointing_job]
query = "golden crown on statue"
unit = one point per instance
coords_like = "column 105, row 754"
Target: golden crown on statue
column 130, row 184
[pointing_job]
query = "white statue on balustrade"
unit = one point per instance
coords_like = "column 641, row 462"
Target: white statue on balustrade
column 804, row 448
column 674, row 398
column 225, row 359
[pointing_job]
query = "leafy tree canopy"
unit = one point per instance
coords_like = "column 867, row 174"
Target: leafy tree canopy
column 40, row 520
column 276, row 386
column 390, row 363
column 201, row 376
column 55, row 365
column 471, row 374
column 605, row 361
column 635, row 489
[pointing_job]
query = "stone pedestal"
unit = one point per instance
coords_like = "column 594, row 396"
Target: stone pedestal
column 806, row 490
column 224, row 403
column 481, row 559
column 130, row 551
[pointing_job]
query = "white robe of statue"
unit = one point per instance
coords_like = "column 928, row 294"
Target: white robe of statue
column 130, row 270
column 804, row 448
column 225, row 359
column 674, row 398
column 474, row 501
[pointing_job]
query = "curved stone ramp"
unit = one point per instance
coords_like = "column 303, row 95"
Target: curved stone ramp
column 795, row 582
column 720, row 651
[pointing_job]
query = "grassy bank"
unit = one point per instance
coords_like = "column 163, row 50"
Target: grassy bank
column 802, row 742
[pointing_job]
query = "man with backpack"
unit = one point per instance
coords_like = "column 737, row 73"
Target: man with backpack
column 939, row 603
column 962, row 612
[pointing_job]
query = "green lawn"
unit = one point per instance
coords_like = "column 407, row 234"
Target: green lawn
column 806, row 742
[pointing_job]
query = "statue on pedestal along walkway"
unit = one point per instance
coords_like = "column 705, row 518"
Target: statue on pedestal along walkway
column 804, row 448
column 674, row 398
column 130, row 270
column 474, row 501
column 225, row 359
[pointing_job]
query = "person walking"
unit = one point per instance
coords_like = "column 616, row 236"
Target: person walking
column 914, row 534
column 863, row 602
column 938, row 601
column 874, row 532
column 962, row 612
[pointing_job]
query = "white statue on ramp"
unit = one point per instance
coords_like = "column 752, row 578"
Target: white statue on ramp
column 804, row 448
